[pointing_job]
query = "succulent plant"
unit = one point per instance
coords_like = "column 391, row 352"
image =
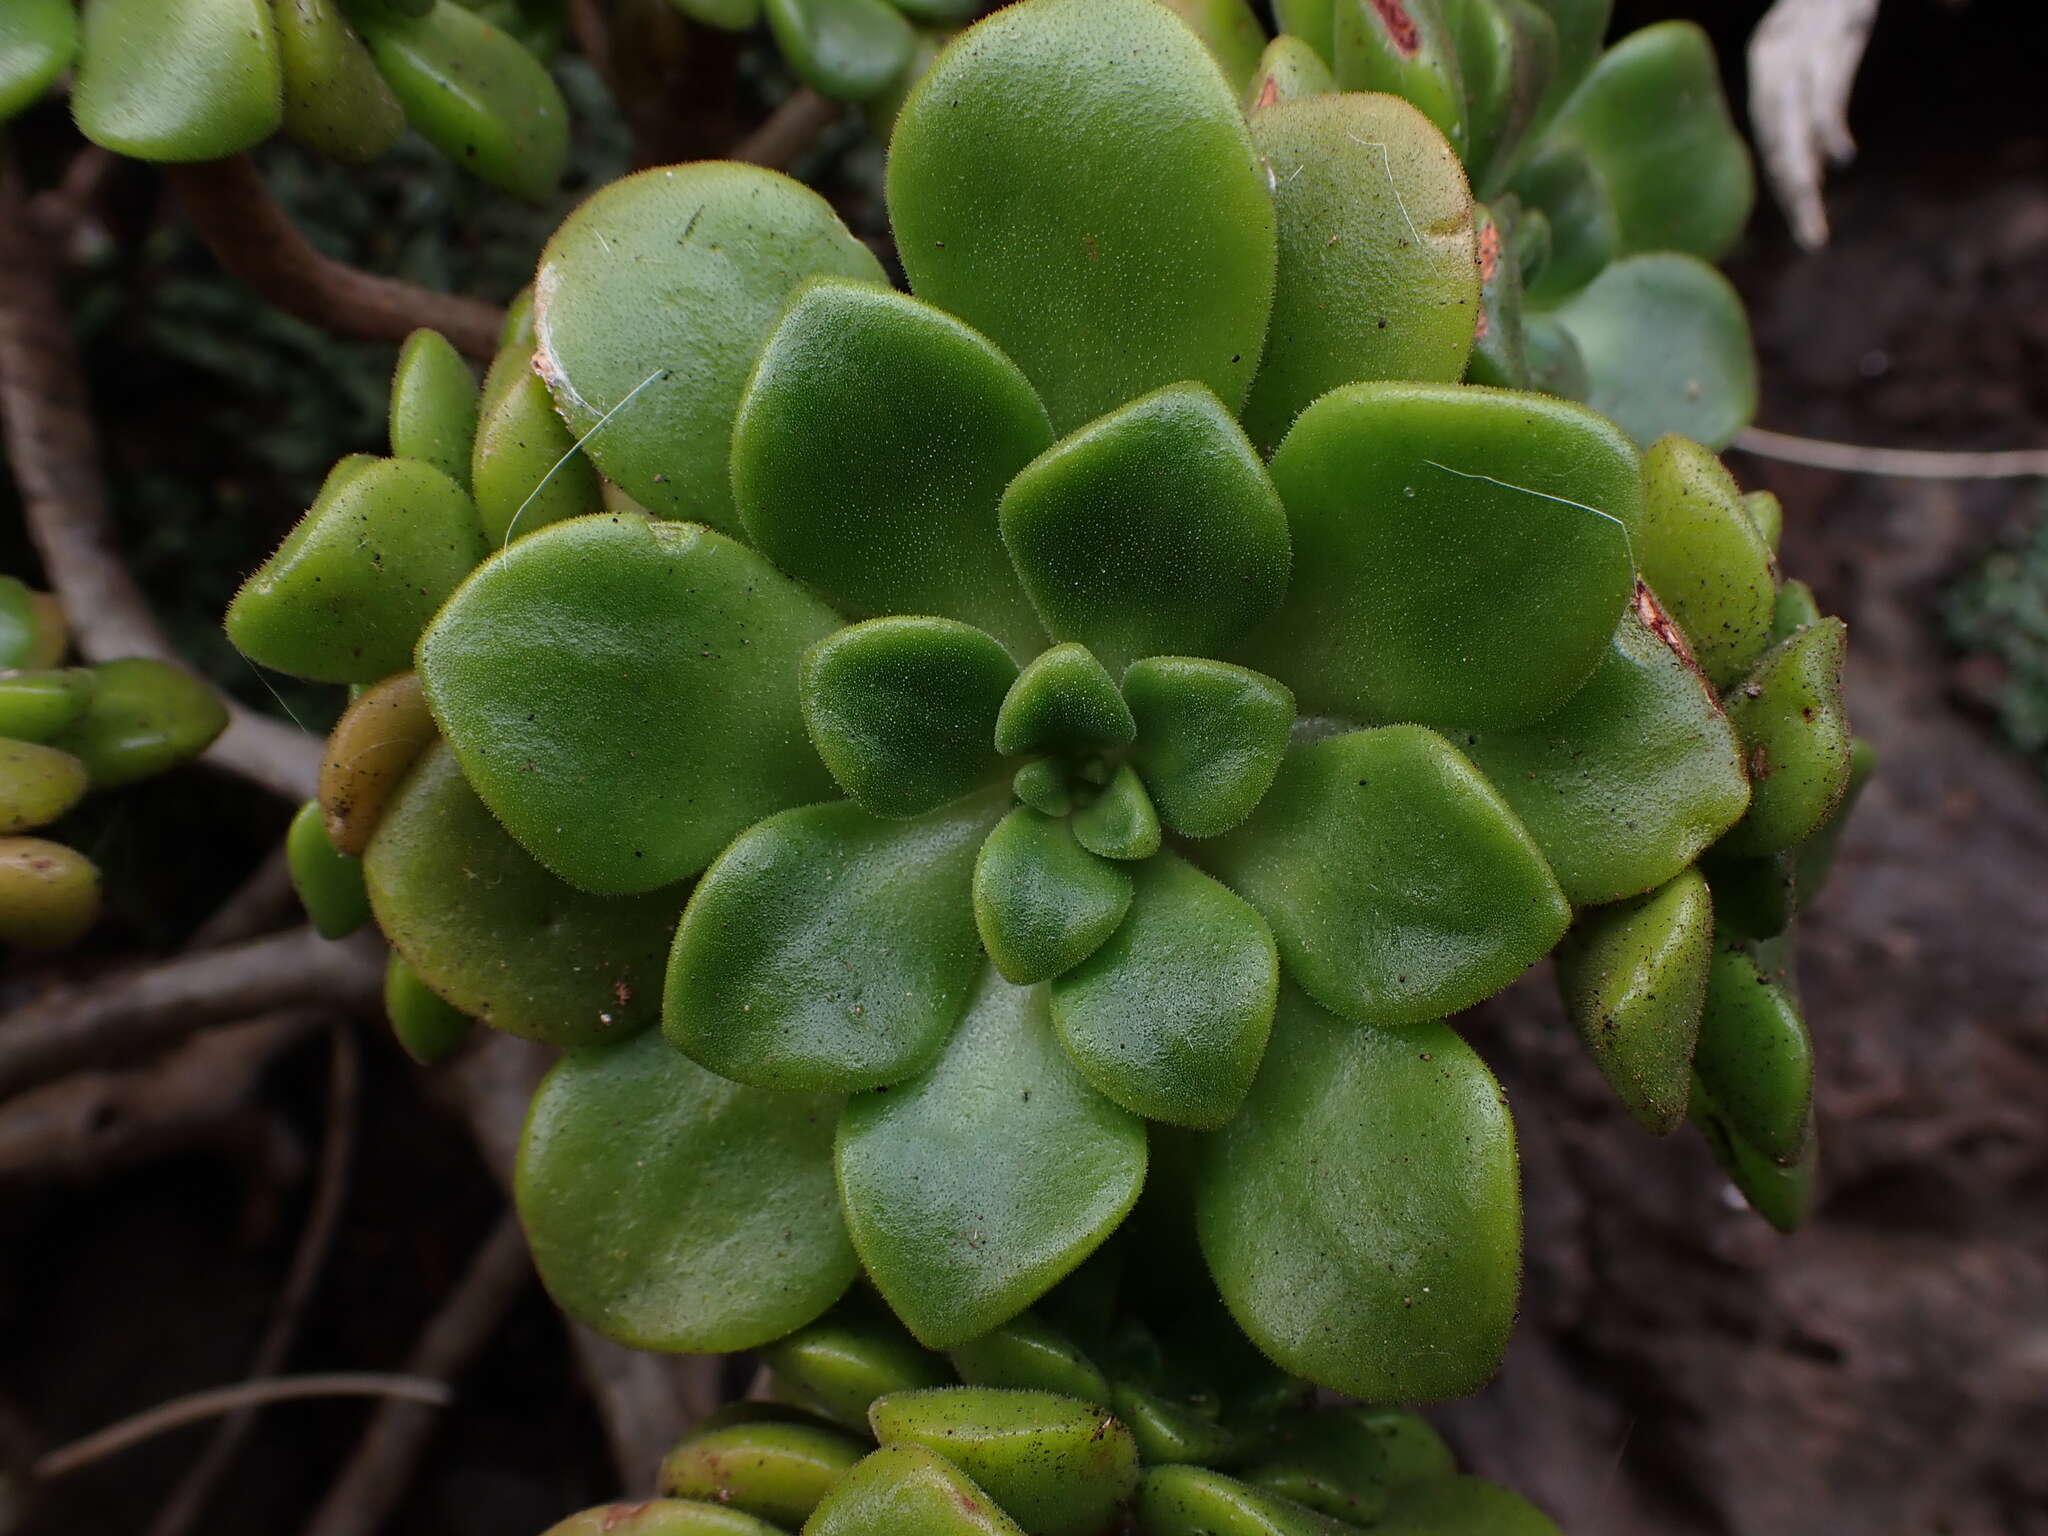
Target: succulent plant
column 188, row 80
column 66, row 731
column 1024, row 1431
column 1070, row 732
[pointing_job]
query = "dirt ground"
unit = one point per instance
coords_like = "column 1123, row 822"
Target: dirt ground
column 1679, row 1369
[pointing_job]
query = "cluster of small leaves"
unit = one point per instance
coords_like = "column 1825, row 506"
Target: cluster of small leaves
column 2000, row 611
column 1026, row 1432
column 190, row 80
column 1096, row 716
column 66, row 732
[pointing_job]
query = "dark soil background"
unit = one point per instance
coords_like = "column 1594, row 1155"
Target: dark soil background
column 1679, row 1370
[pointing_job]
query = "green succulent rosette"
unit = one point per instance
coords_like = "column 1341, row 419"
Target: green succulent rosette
column 1073, row 731
column 192, row 80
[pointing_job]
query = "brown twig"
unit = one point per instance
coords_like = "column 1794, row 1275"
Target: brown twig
column 94, row 1123
column 1897, row 463
column 188, row 1500
column 384, row 1459
column 196, row 1406
column 131, row 1016
column 259, row 905
column 251, row 237
column 58, row 210
column 55, row 455
column 789, row 130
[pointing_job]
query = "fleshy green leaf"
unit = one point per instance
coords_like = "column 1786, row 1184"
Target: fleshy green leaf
column 177, row 80
column 1063, row 701
column 335, row 101
column 38, row 41
column 671, row 1209
column 1194, row 1501
column 1074, row 179
column 1169, row 1017
column 49, row 894
column 1652, row 119
column 1333, row 1461
column 433, row 405
column 870, row 453
column 1288, row 70
column 1310, row 20
column 775, row 1471
column 623, row 694
column 843, row 1362
column 651, row 305
column 1028, row 1352
column 38, row 784
column 525, row 466
column 428, row 1029
column 1043, row 784
column 974, row 1189
column 1377, row 277
column 1631, row 780
column 903, row 710
column 1500, row 356
column 1210, row 739
column 1398, row 884
column 36, row 703
column 1461, row 555
column 1755, row 1057
column 1404, row 48
column 18, row 624
column 1470, row 1506
column 846, row 49
column 1230, row 31
column 1634, row 979
column 1042, row 902
column 1152, row 530
column 729, row 15
column 829, row 950
column 1559, row 182
column 352, row 585
column 1055, row 1464
column 1120, row 822
column 1412, row 1451
column 1361, row 1216
column 661, row 1517
column 1795, row 736
column 907, row 1490
column 142, row 718
column 1705, row 558
column 1768, row 513
column 1507, row 58
column 1793, row 609
column 498, row 936
column 1581, row 29
column 474, row 93
column 1700, row 377
column 329, row 882
column 1782, row 1195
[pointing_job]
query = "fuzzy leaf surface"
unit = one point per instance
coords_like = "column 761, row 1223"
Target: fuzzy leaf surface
column 1074, row 179
column 1362, row 1216
column 974, row 1189
column 623, row 694
column 1461, row 555
column 668, row 283
column 1398, row 883
column 671, row 1209
column 828, row 949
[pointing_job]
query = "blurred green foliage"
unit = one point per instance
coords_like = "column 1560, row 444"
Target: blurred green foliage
column 2001, row 610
